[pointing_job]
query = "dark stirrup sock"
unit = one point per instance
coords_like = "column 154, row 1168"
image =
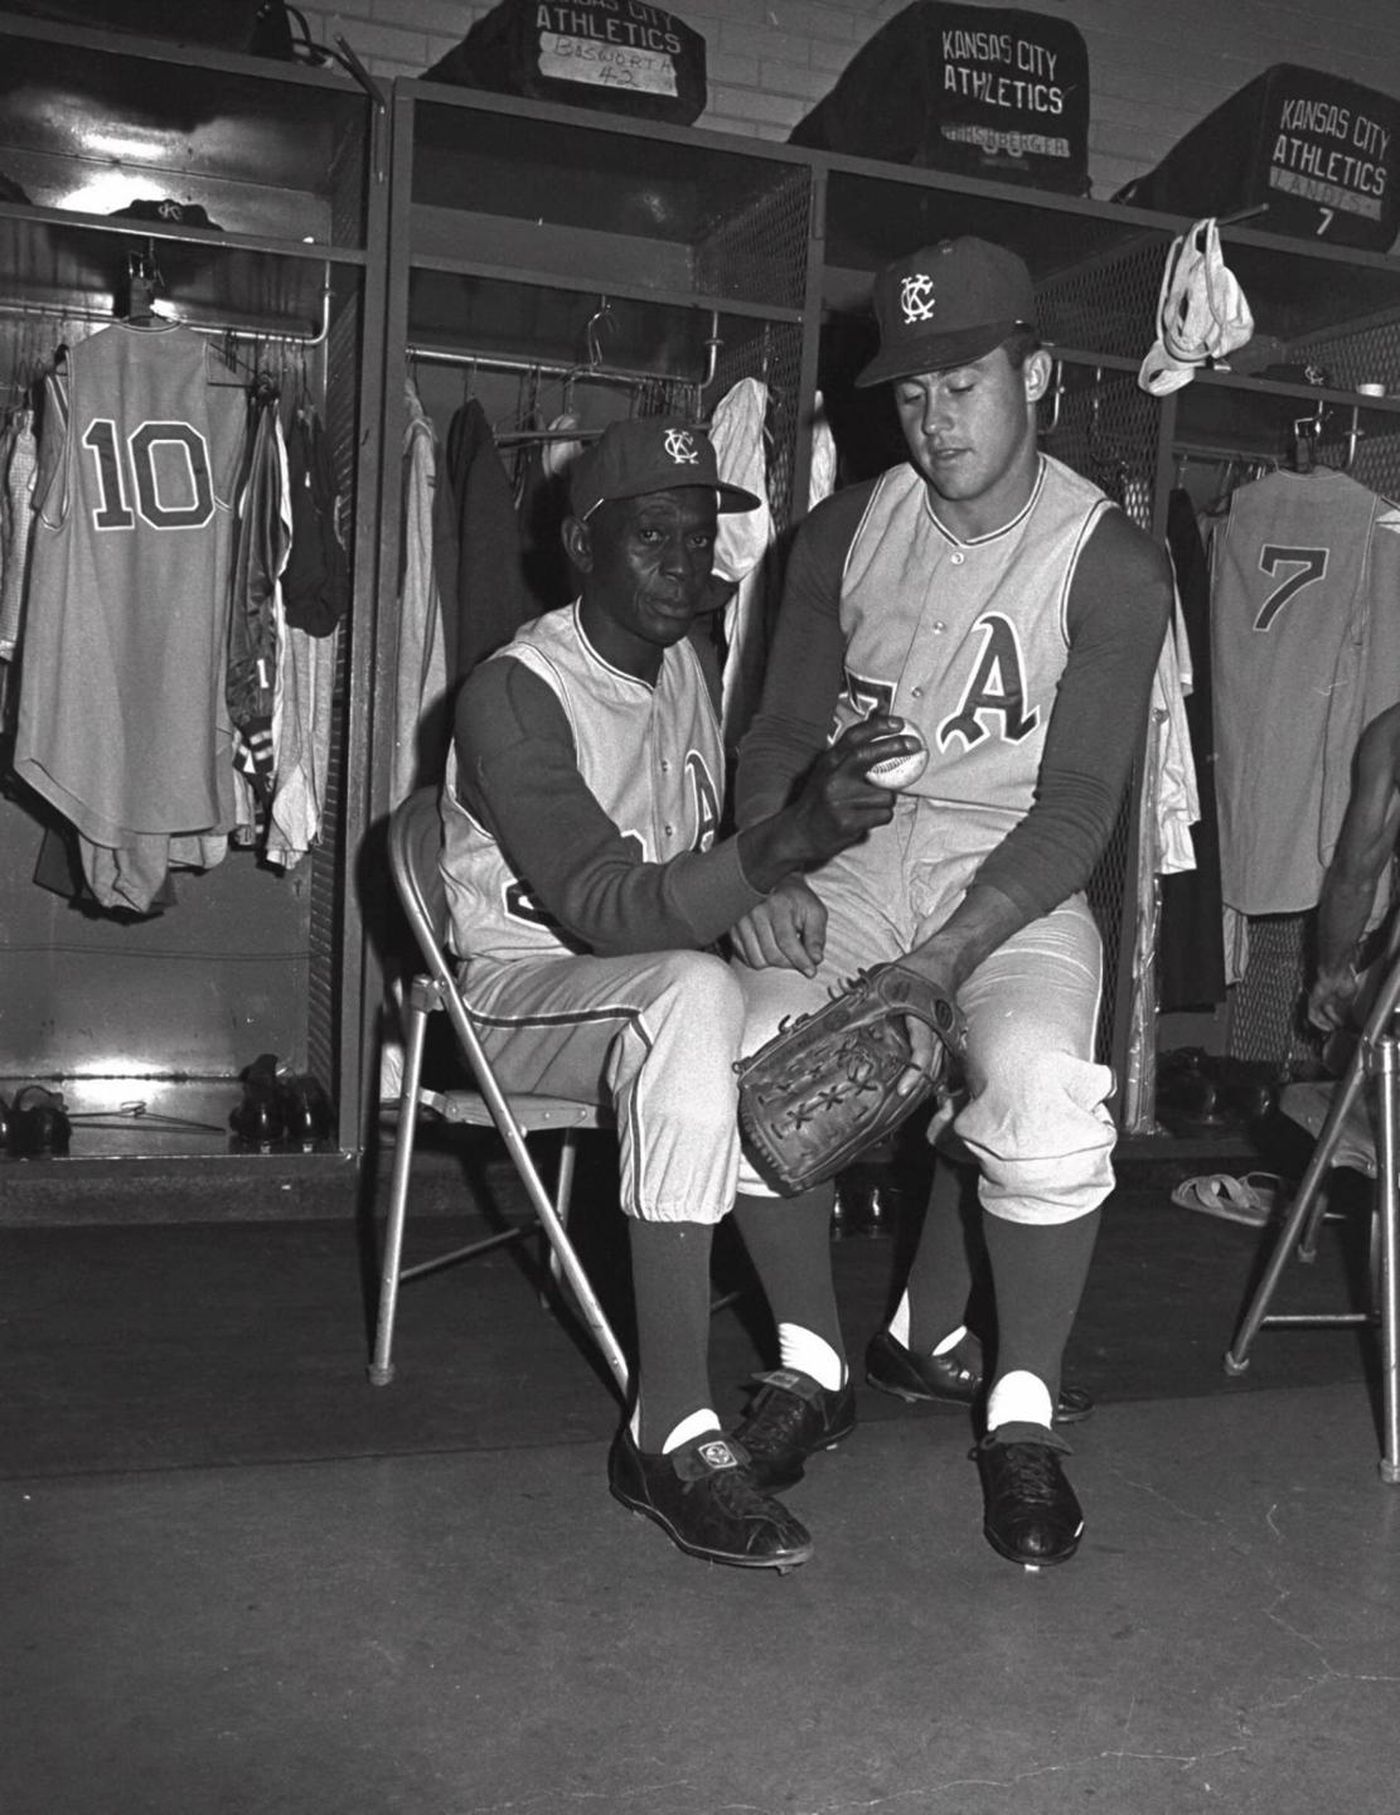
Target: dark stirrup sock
column 671, row 1286
column 1038, row 1274
column 941, row 1273
column 789, row 1243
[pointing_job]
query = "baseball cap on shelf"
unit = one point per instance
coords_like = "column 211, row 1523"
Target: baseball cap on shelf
column 167, row 212
column 650, row 454
column 947, row 305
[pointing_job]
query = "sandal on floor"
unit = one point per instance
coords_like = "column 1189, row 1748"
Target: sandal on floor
column 1250, row 1200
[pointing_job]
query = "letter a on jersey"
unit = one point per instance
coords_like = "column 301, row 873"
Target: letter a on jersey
column 997, row 689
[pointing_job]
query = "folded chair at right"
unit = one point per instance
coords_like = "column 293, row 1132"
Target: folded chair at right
column 1357, row 1124
column 415, row 843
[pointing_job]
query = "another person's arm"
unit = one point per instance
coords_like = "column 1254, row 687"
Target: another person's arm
column 804, row 675
column 805, row 668
column 1365, row 845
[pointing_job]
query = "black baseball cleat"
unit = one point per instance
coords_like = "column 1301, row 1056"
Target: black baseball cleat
column 790, row 1417
column 951, row 1379
column 257, row 1118
column 305, row 1108
column 704, row 1497
column 1031, row 1515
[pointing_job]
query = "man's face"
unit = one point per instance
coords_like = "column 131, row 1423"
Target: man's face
column 646, row 562
column 969, row 428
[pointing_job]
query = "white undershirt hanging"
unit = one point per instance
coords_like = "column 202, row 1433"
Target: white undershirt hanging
column 736, row 429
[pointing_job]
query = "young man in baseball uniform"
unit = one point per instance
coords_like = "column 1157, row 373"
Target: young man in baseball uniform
column 586, row 885
column 1005, row 609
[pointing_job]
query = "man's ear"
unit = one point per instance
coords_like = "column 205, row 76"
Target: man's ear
column 1036, row 374
column 578, row 543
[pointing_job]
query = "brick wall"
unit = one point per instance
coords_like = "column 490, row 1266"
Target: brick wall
column 1155, row 68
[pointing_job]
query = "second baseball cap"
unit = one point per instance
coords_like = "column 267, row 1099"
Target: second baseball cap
column 650, row 454
column 947, row 305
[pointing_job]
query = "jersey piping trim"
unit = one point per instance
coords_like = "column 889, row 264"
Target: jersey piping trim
column 559, row 1018
column 993, row 534
column 1086, row 529
column 859, row 530
column 601, row 660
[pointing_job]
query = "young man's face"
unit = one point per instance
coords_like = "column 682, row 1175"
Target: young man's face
column 646, row 563
column 969, row 428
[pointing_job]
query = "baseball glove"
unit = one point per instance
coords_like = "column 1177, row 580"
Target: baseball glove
column 822, row 1090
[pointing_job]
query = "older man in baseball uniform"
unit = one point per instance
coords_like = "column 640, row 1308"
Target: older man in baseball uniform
column 587, row 881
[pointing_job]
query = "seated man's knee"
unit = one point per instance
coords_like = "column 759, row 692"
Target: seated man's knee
column 696, row 1010
column 702, row 983
column 1034, row 1117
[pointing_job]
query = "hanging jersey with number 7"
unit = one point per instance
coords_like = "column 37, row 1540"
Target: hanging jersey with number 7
column 122, row 722
column 1305, row 645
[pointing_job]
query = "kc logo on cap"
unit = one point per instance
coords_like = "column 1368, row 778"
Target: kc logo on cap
column 916, row 297
column 947, row 305
column 680, row 445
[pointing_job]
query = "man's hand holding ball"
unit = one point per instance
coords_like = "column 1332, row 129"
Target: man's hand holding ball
column 900, row 770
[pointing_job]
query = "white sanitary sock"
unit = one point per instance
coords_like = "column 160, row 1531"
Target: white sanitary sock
column 899, row 1329
column 811, row 1354
column 693, row 1426
column 1019, row 1398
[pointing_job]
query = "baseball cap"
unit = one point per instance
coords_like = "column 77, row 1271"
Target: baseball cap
column 166, row 212
column 947, row 305
column 650, row 454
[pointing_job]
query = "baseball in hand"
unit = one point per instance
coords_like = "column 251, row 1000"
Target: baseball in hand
column 898, row 771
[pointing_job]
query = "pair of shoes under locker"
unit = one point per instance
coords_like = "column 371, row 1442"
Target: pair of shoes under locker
column 36, row 1124
column 280, row 1107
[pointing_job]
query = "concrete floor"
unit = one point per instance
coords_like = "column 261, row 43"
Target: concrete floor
column 459, row 1633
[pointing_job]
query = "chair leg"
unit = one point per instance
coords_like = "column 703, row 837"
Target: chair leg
column 563, row 1194
column 381, row 1368
column 1300, row 1214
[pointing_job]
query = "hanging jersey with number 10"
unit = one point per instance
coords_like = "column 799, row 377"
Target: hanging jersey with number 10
column 122, row 720
column 1305, row 650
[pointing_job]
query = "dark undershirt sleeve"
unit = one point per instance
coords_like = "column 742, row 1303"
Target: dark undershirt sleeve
column 518, row 776
column 1118, row 611
column 806, row 663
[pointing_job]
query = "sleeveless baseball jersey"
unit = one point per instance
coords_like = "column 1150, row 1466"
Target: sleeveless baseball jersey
column 974, row 652
column 1305, row 643
column 122, row 722
column 650, row 755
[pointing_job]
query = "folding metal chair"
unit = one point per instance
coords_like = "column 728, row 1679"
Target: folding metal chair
column 1348, row 1136
column 415, row 842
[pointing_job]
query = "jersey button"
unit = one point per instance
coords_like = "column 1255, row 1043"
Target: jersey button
column 670, row 831
column 665, row 765
column 918, row 692
column 958, row 559
column 938, row 627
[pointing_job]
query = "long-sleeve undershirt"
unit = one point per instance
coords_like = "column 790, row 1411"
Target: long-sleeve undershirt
column 518, row 776
column 1117, row 612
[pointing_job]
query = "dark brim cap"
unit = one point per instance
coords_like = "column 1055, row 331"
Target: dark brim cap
column 650, row 454
column 947, row 305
